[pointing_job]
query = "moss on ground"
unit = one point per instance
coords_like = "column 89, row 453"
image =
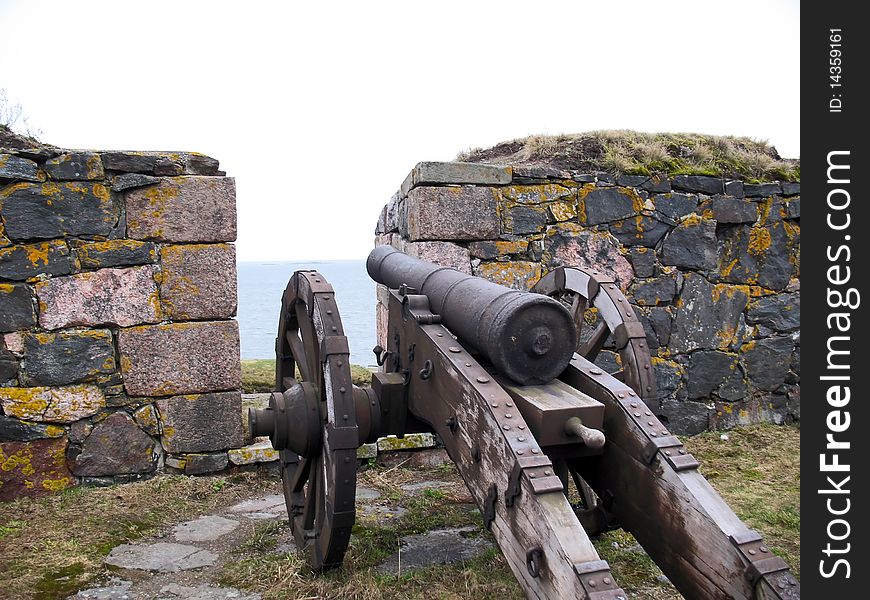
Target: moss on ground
column 258, row 375
column 638, row 153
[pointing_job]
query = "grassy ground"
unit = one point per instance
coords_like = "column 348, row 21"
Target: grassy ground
column 638, row 153
column 258, row 375
column 50, row 547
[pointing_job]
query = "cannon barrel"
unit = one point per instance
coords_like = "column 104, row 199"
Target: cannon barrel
column 528, row 337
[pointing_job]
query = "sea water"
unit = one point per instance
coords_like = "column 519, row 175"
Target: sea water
column 261, row 285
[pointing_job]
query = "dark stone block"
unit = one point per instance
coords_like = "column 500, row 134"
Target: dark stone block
column 129, row 181
column 639, row 231
column 655, row 291
column 757, row 255
column 201, row 423
column 130, row 162
column 796, row 360
column 605, row 177
column 35, row 468
column 755, row 190
column 734, row 387
column 29, row 260
column 661, row 321
column 115, row 253
column 604, row 205
column 669, row 376
column 691, row 245
column 53, row 210
column 643, row 261
column 652, row 339
column 686, row 417
column 484, row 250
column 67, row 357
column 793, row 209
column 767, row 361
column 791, row 188
column 200, row 164
column 781, row 312
column 676, row 205
column 116, row 446
column 656, row 184
column 8, row 365
column 699, row 183
column 538, row 172
column 632, row 180
column 76, row 166
column 526, row 219
column 15, row 168
column 15, row 430
column 727, row 209
column 708, row 315
column 16, row 307
column 608, row 361
column 198, row 464
column 734, row 188
column 166, row 167
column 583, row 177
column 707, row 371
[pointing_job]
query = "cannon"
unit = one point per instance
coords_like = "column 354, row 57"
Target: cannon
column 507, row 381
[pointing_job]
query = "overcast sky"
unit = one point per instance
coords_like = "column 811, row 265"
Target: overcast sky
column 319, row 109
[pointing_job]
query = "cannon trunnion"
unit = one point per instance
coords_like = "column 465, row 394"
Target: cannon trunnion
column 507, row 381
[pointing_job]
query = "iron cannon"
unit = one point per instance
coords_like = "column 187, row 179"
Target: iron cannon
column 507, row 381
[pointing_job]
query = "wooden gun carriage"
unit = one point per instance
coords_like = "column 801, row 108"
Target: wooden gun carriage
column 507, row 381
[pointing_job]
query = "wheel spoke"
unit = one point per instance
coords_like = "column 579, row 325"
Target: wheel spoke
column 578, row 310
column 300, row 475
column 309, row 342
column 593, row 345
column 312, row 496
column 299, row 353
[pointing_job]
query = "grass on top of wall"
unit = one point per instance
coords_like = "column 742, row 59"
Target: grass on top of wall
column 258, row 375
column 638, row 153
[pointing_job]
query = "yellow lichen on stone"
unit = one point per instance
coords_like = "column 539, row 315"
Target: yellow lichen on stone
column 563, row 211
column 409, row 442
column 517, row 274
column 55, row 485
column 759, row 241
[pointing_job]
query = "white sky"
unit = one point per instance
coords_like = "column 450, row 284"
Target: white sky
column 320, row 109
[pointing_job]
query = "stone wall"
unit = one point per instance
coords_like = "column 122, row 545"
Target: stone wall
column 118, row 351
column 711, row 266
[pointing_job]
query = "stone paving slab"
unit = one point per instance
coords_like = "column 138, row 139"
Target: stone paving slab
column 204, row 529
column 272, row 503
column 162, row 556
column 203, row 592
column 436, row 547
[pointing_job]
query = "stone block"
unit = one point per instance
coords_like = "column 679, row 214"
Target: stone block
column 122, row 297
column 128, row 181
column 14, row 342
column 571, row 245
column 676, row 205
column 409, row 442
column 488, row 250
column 654, row 292
column 16, row 307
column 33, row 468
column 686, row 417
column 53, row 210
column 669, row 376
column 52, row 405
column 605, row 205
column 542, row 193
column 728, row 415
column 75, row 166
column 8, row 365
column 192, row 358
column 707, row 371
column 767, row 361
column 791, row 188
column 199, row 464
column 130, row 162
column 643, row 261
column 661, row 320
column 446, row 254
column 148, row 419
column 523, row 220
column 519, row 275
column 691, row 245
column 116, row 446
column 756, row 190
column 781, row 312
column 16, row 168
column 792, row 209
column 656, row 184
column 67, row 357
column 707, row 315
column 734, row 188
column 367, row 451
column 758, row 255
column 429, row 173
column 727, row 209
column 452, row 213
column 699, row 183
column 183, row 209
column 30, row 260
column 198, row 281
column 115, row 253
column 258, row 452
column 642, row 230
column 16, row 430
column 201, row 422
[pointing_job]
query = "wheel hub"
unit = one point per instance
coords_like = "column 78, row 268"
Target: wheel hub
column 292, row 421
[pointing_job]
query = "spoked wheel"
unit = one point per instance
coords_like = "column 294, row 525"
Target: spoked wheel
column 311, row 420
column 583, row 290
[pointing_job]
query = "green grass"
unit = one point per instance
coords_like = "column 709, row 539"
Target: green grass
column 258, row 375
column 638, row 153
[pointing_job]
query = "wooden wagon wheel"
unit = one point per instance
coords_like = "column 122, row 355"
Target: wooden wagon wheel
column 311, row 420
column 582, row 290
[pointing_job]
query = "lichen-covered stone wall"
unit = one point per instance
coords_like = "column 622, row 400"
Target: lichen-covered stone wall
column 711, row 266
column 118, row 351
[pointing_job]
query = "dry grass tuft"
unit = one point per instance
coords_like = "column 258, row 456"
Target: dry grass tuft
column 637, row 153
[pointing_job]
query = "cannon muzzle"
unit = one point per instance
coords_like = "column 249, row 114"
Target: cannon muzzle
column 528, row 337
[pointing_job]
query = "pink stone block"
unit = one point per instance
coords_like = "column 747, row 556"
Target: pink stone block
column 183, row 209
column 198, row 281
column 121, row 297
